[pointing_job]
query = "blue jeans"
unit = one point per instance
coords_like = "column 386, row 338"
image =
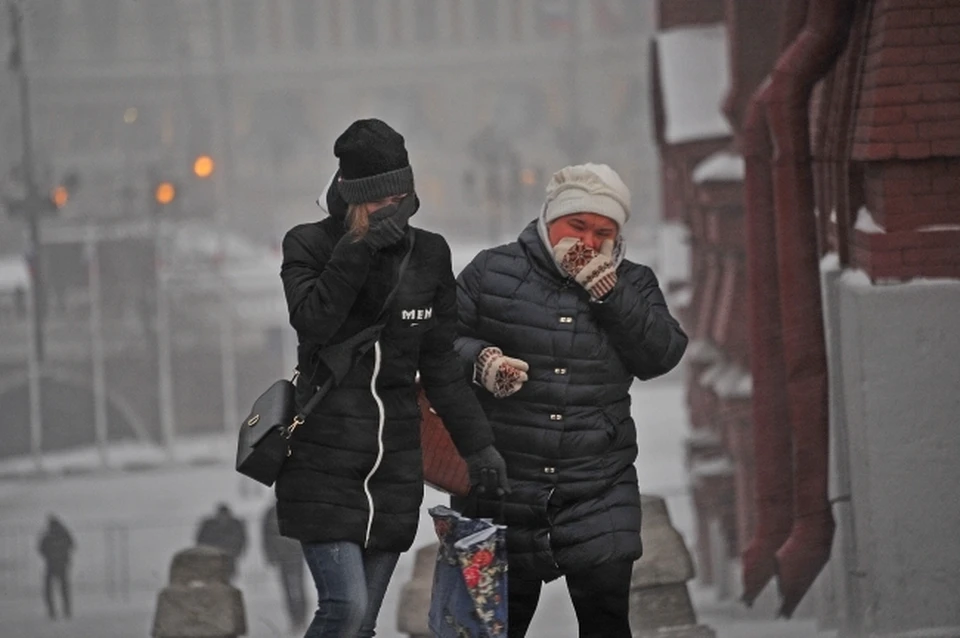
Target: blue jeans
column 351, row 582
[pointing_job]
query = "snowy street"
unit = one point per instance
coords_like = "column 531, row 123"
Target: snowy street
column 154, row 512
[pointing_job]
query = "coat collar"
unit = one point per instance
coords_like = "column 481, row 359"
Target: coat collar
column 534, row 245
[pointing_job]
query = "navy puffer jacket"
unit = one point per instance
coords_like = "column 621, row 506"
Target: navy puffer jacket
column 567, row 436
column 355, row 471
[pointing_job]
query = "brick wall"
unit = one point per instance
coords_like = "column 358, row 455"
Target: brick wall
column 910, row 96
column 906, row 136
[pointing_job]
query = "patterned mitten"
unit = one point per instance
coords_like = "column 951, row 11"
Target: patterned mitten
column 593, row 270
column 499, row 374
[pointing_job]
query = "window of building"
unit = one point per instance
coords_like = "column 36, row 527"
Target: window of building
column 305, row 24
column 365, row 17
column 275, row 26
column 43, row 23
column 243, row 18
column 554, row 18
column 487, row 16
column 426, row 24
column 396, row 23
column 516, row 20
column 162, row 28
column 456, row 20
column 334, row 22
column 102, row 19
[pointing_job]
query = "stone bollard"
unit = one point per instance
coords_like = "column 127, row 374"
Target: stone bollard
column 414, row 606
column 199, row 602
column 659, row 601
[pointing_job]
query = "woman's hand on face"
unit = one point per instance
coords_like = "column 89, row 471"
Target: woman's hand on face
column 388, row 224
column 594, row 270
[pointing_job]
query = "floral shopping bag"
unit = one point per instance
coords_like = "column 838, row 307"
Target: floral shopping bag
column 469, row 597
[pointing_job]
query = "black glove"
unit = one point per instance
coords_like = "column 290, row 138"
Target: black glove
column 388, row 224
column 488, row 472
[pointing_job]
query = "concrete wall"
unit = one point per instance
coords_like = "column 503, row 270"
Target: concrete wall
column 895, row 358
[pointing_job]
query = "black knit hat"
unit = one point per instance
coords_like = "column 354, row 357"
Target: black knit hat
column 373, row 162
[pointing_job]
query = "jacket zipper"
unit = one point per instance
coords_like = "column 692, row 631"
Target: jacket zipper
column 381, row 418
column 553, row 556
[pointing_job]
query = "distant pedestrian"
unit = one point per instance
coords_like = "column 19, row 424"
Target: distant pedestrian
column 56, row 547
column 287, row 556
column 225, row 532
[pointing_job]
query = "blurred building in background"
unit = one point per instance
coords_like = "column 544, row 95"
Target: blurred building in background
column 480, row 88
column 193, row 133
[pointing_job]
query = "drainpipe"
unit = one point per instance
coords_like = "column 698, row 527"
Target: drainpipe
column 808, row 58
column 772, row 438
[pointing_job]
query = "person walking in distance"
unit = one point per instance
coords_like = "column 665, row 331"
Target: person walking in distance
column 225, row 532
column 553, row 329
column 286, row 556
column 56, row 547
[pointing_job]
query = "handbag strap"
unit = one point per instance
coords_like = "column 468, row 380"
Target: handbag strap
column 360, row 343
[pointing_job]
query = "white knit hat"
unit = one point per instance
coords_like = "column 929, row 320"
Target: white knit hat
column 587, row 188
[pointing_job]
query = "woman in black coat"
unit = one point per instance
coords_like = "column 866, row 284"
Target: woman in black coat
column 351, row 488
column 553, row 329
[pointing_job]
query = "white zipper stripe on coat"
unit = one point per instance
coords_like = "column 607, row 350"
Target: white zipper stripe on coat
column 380, row 423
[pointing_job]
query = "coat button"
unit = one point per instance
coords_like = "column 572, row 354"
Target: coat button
column 549, row 470
column 559, row 370
column 556, row 417
column 566, row 319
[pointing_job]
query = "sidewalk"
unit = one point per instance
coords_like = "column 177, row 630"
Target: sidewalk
column 98, row 617
column 184, row 493
column 555, row 618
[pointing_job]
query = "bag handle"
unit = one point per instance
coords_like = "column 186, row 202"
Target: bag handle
column 360, row 342
column 477, row 506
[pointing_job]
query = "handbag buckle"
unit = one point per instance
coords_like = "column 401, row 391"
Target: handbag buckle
column 297, row 421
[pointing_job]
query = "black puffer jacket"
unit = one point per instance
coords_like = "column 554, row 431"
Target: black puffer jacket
column 355, row 469
column 567, row 436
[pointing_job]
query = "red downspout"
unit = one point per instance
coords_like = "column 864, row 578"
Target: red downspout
column 808, row 58
column 772, row 439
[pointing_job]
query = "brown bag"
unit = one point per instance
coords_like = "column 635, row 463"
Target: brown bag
column 443, row 467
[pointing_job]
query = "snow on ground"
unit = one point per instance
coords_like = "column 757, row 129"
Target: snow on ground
column 130, row 523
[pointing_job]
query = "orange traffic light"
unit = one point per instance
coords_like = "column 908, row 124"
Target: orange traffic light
column 60, row 196
column 203, row 166
column 164, row 193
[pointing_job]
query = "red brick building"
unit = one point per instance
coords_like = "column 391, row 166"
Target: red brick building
column 825, row 244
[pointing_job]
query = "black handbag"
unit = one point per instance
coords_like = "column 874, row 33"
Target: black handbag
column 264, row 440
